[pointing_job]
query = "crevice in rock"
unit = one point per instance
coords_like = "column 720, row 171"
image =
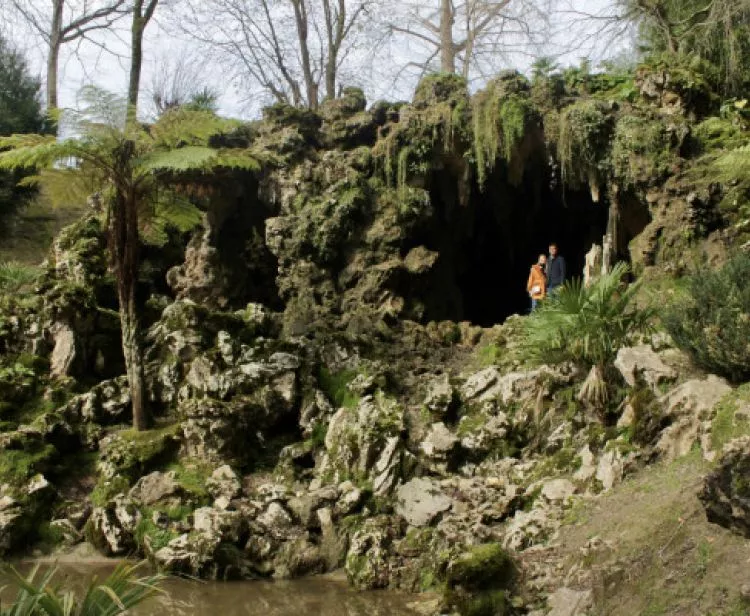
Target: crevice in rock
column 227, row 262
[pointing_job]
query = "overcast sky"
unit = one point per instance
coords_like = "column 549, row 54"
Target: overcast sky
column 106, row 63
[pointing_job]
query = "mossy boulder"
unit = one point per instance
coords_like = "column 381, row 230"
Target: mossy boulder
column 351, row 102
column 644, row 149
column 132, row 454
column 586, row 129
column 368, row 563
column 288, row 131
column 680, row 84
column 438, row 88
column 479, row 581
column 726, row 490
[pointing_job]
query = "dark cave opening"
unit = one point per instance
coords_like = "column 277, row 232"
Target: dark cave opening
column 241, row 240
column 488, row 245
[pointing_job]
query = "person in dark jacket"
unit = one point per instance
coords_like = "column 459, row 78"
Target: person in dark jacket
column 555, row 269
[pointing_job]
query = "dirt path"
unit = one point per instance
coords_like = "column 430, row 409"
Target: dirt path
column 647, row 549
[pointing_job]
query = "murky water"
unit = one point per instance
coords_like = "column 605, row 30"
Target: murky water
column 317, row 596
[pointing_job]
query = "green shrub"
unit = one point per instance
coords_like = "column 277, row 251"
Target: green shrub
column 711, row 322
column 586, row 325
column 117, row 594
column 336, row 387
column 16, row 277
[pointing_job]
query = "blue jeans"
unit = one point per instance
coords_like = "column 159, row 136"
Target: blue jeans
column 534, row 304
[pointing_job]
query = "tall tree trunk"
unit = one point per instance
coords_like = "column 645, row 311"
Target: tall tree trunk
column 447, row 46
column 124, row 251
column 133, row 353
column 53, row 57
column 335, row 31
column 141, row 18
column 300, row 18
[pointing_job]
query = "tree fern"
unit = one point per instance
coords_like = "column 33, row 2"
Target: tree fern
column 132, row 166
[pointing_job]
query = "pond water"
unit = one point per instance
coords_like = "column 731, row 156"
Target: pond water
column 316, row 596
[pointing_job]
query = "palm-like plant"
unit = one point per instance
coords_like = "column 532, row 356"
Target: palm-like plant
column 587, row 325
column 131, row 166
column 119, row 592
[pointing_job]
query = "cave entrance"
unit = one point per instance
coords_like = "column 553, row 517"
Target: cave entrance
column 488, row 246
column 248, row 265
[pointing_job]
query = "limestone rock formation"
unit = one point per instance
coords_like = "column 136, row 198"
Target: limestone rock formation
column 726, row 494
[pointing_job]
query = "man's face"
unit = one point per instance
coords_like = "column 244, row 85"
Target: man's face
column 553, row 251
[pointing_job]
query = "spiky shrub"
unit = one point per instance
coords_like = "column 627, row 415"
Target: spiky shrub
column 587, row 326
column 711, row 322
column 119, row 592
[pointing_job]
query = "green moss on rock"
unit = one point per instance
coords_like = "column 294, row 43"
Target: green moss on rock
column 478, row 582
column 642, row 150
column 586, row 129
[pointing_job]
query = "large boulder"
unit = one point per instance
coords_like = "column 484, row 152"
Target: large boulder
column 157, row 487
column 689, row 407
column 439, row 447
column 726, row 490
column 107, row 403
column 367, row 443
column 439, row 396
column 368, row 561
column 479, row 581
column 522, row 387
column 421, row 501
column 569, row 602
column 643, row 362
column 224, row 484
column 111, row 528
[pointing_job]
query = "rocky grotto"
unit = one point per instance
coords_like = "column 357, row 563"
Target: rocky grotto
column 332, row 352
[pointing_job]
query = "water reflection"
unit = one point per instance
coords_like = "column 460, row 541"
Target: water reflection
column 315, row 596
column 318, row 596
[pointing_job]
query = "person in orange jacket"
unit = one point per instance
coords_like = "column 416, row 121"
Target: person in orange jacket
column 537, row 283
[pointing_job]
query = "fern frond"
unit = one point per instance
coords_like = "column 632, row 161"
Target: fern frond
column 169, row 211
column 68, row 186
column 33, row 151
column 183, row 127
column 188, row 158
column 237, row 159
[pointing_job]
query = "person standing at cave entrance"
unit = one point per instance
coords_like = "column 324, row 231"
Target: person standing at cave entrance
column 537, row 283
column 555, row 269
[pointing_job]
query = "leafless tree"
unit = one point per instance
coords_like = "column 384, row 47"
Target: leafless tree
column 470, row 37
column 294, row 50
column 59, row 22
column 180, row 77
